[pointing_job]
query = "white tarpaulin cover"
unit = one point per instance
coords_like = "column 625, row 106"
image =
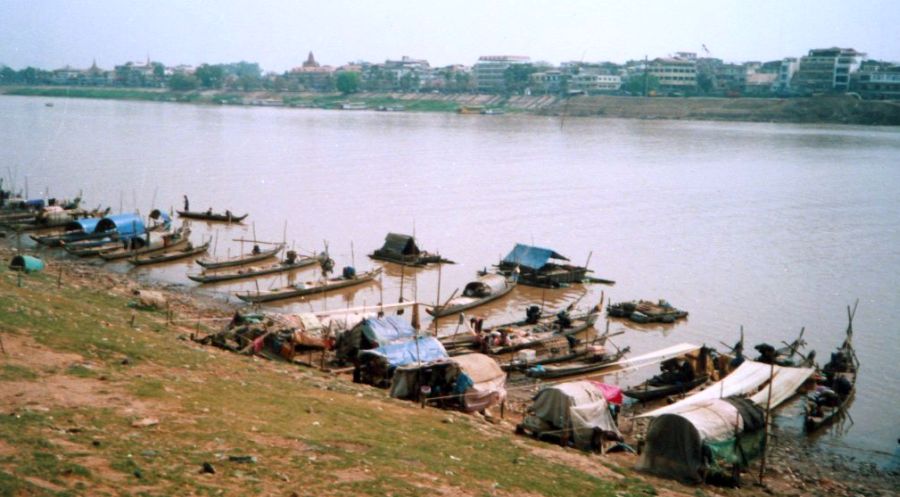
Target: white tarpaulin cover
column 656, row 356
column 786, row 383
column 715, row 419
column 746, row 379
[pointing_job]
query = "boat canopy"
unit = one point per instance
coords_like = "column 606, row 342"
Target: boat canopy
column 126, row 225
column 747, row 379
column 577, row 405
column 86, row 225
column 424, row 349
column 531, row 257
column 728, row 430
column 489, row 284
column 400, row 244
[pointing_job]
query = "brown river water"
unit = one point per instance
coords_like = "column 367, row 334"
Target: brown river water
column 770, row 226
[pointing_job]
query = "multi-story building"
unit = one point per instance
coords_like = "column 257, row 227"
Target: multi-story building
column 786, row 72
column 881, row 81
column 827, row 70
column 675, row 74
column 550, row 81
column 489, row 71
column 595, row 82
column 312, row 75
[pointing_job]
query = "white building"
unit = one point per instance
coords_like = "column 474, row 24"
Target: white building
column 490, row 68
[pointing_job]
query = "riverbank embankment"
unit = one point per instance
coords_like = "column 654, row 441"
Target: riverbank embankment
column 102, row 398
column 838, row 109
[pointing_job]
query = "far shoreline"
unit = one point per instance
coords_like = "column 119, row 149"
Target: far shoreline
column 836, row 109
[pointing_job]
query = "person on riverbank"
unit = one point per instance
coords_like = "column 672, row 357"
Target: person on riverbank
column 187, row 204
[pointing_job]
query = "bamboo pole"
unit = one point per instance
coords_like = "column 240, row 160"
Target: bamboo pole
column 762, row 466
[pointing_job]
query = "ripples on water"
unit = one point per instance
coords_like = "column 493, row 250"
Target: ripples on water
column 770, row 226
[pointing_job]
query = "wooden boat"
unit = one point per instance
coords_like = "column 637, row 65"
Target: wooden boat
column 311, row 287
column 94, row 248
column 644, row 311
column 647, row 391
column 485, row 289
column 788, row 356
column 402, row 249
column 209, row 215
column 832, row 396
column 182, row 253
column 290, row 264
column 255, row 255
column 516, row 336
column 541, row 267
column 595, row 363
column 160, row 243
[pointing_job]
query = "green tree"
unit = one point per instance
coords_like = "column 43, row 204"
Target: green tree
column 635, row 84
column 409, row 82
column 347, row 82
column 517, row 77
column 704, row 82
column 183, row 82
column 159, row 71
column 210, row 76
column 7, row 76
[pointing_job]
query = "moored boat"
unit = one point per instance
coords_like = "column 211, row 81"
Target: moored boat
column 643, row 311
column 402, row 249
column 347, row 279
column 154, row 243
column 289, row 264
column 255, row 255
column 486, row 288
column 599, row 359
column 832, row 395
column 187, row 251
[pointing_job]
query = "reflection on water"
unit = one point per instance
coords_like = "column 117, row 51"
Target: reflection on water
column 769, row 226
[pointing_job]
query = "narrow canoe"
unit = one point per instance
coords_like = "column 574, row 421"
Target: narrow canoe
column 240, row 259
column 485, row 289
column 185, row 252
column 253, row 272
column 645, row 391
column 310, row 288
column 575, row 368
column 212, row 216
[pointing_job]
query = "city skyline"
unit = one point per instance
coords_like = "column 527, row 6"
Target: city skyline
column 278, row 35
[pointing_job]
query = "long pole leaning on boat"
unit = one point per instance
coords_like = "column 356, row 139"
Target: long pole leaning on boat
column 435, row 320
column 762, row 465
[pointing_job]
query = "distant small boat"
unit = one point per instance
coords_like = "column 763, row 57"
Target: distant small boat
column 49, row 104
column 209, row 215
column 348, row 279
column 470, row 109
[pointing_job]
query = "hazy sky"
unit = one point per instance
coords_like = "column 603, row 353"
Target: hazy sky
column 279, row 33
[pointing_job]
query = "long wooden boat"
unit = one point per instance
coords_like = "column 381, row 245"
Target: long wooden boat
column 644, row 311
column 310, row 287
column 183, row 253
column 647, row 391
column 576, row 368
column 511, row 338
column 789, row 355
column 93, row 249
column 832, row 396
column 238, row 260
column 165, row 242
column 227, row 217
column 485, row 289
column 255, row 271
column 57, row 239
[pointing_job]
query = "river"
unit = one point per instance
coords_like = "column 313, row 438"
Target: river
column 772, row 227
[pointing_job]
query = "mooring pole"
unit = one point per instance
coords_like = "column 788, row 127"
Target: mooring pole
column 762, row 465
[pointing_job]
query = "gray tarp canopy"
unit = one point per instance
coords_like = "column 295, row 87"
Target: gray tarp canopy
column 400, row 244
column 682, row 444
column 579, row 406
column 476, row 378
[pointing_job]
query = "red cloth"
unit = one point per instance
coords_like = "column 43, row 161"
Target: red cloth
column 258, row 344
column 611, row 393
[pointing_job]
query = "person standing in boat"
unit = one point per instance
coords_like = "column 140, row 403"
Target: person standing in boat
column 187, row 205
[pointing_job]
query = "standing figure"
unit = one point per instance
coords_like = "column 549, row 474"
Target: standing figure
column 187, row 205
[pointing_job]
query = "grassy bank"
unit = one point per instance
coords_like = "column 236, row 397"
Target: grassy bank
column 826, row 109
column 82, row 372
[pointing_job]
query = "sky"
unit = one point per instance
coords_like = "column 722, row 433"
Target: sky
column 278, row 34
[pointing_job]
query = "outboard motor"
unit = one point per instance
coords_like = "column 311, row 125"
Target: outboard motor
column 532, row 314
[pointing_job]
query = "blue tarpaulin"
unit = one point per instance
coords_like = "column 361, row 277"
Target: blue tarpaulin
column 87, row 225
column 386, row 330
column 531, row 257
column 127, row 225
column 429, row 349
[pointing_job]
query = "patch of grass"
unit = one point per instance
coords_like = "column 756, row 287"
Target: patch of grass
column 13, row 372
column 149, row 388
column 81, row 371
